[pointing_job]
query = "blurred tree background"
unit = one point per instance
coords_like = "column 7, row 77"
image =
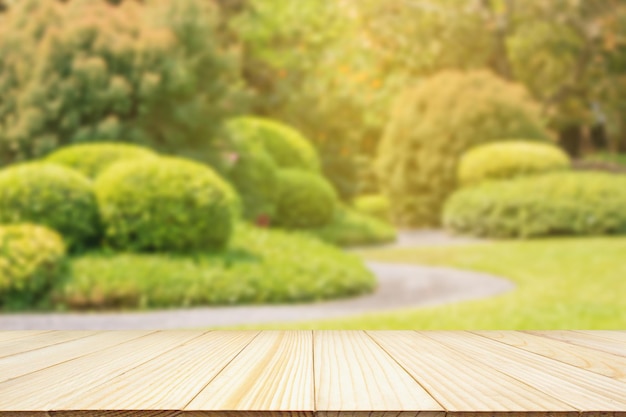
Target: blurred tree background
column 168, row 73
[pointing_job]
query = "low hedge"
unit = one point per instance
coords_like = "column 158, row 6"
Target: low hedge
column 578, row 203
column 374, row 205
column 352, row 228
column 285, row 145
column 165, row 204
column 93, row 158
column 504, row 160
column 304, row 200
column 32, row 259
column 50, row 195
column 260, row 266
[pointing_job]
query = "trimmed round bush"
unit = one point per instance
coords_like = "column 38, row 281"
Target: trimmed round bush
column 165, row 204
column 305, row 200
column 51, row 195
column 249, row 167
column 93, row 158
column 374, row 205
column 433, row 124
column 504, row 160
column 31, row 260
column 580, row 203
column 285, row 145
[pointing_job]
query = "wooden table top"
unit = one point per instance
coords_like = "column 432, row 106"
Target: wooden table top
column 302, row 373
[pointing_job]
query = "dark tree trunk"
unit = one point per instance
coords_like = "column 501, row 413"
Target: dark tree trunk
column 571, row 139
column 598, row 138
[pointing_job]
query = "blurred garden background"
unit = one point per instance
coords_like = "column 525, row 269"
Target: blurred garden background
column 174, row 154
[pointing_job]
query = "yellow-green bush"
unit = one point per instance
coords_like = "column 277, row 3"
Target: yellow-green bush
column 31, row 260
column 305, row 200
column 93, row 158
column 50, row 195
column 433, row 124
column 504, row 160
column 559, row 203
column 374, row 205
column 165, row 204
column 285, row 145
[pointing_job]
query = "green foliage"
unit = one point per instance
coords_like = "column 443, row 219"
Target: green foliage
column 148, row 73
column 504, row 160
column 261, row 266
column 433, row 124
column 31, row 260
column 285, row 145
column 550, row 204
column 165, row 204
column 374, row 205
column 53, row 196
column 352, row 228
column 305, row 200
column 245, row 163
column 93, row 158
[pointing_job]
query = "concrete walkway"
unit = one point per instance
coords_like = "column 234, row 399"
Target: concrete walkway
column 399, row 286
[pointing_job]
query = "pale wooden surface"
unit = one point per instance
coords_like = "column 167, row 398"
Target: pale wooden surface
column 306, row 373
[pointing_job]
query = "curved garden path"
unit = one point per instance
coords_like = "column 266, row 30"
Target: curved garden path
column 400, row 286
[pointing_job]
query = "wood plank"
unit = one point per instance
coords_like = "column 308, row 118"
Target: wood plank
column 274, row 373
column 6, row 335
column 352, row 374
column 584, row 339
column 582, row 389
column 38, row 341
column 615, row 335
column 24, row 363
column 45, row 389
column 592, row 360
column 169, row 381
column 450, row 377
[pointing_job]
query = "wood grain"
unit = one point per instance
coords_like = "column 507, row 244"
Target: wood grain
column 591, row 360
column 442, row 371
column 273, row 373
column 587, row 340
column 39, row 340
column 582, row 389
column 352, row 373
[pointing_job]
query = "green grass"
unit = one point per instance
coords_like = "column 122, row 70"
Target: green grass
column 614, row 158
column 260, row 266
column 561, row 283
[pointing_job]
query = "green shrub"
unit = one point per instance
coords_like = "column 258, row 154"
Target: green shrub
column 93, row 158
column 165, row 204
column 432, row 125
column 550, row 204
column 374, row 205
column 304, row 200
column 261, row 266
column 504, row 160
column 156, row 73
column 31, row 260
column 351, row 228
column 53, row 196
column 249, row 167
column 286, row 146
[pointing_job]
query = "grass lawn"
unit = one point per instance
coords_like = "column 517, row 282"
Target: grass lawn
column 561, row 283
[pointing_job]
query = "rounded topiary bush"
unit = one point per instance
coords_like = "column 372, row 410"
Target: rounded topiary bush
column 503, row 160
column 93, row 158
column 249, row 167
column 31, row 260
column 374, row 205
column 165, row 204
column 550, row 204
column 51, row 195
column 304, row 200
column 433, row 124
column 285, row 145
